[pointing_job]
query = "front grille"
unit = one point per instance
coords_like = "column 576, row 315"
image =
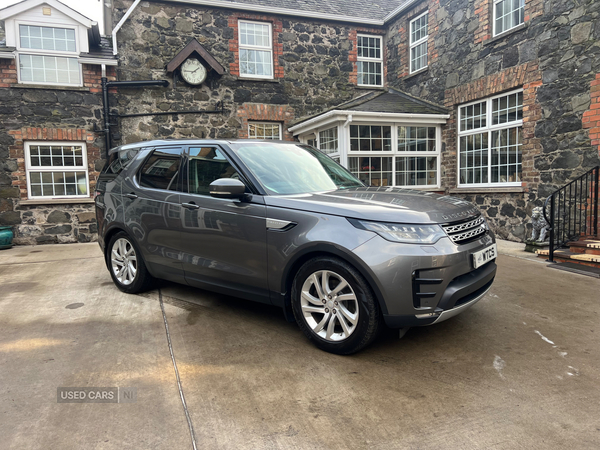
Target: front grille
column 466, row 231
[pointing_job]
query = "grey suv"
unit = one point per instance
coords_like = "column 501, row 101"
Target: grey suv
column 282, row 223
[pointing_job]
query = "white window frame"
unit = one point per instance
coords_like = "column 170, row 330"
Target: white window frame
column 50, row 53
column 82, row 168
column 495, row 32
column 373, row 60
column 394, row 153
column 418, row 43
column 252, row 122
column 336, row 155
column 487, row 129
column 256, row 47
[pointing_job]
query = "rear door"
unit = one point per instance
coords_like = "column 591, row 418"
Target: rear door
column 224, row 240
column 152, row 211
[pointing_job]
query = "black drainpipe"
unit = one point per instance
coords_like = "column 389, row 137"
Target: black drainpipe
column 106, row 107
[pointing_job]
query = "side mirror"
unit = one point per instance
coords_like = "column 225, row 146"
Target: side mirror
column 227, row 188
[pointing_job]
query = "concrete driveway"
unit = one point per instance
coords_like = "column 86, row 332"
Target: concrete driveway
column 521, row 369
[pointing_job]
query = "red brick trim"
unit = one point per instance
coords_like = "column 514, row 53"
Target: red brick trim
column 92, row 77
column 404, row 31
column 265, row 113
column 483, row 9
column 17, row 151
column 591, row 118
column 526, row 76
column 8, row 72
column 277, row 25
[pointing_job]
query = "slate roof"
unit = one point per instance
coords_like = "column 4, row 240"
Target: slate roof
column 392, row 101
column 386, row 101
column 102, row 51
column 373, row 10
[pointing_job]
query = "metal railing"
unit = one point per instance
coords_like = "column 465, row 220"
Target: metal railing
column 573, row 210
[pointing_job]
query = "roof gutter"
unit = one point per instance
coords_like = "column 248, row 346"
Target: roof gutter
column 399, row 9
column 357, row 116
column 120, row 24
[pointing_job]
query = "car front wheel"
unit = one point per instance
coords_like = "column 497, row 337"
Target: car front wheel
column 334, row 306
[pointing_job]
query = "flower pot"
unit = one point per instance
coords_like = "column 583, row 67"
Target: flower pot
column 6, row 237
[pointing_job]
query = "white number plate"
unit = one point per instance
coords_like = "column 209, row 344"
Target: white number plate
column 483, row 256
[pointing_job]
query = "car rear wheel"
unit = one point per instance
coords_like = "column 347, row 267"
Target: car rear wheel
column 334, row 306
column 126, row 265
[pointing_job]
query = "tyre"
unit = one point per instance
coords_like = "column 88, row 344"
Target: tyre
column 126, row 265
column 334, row 306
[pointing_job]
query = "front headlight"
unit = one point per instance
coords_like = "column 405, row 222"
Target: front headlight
column 398, row 232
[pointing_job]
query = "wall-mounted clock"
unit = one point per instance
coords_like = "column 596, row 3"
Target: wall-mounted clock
column 193, row 72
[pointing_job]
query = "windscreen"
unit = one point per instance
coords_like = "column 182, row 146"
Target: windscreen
column 293, row 169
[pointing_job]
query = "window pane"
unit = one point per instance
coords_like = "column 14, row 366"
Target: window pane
column 374, row 171
column 47, row 38
column 328, row 141
column 161, row 169
column 416, row 139
column 257, row 130
column 207, row 164
column 508, row 14
column 371, row 138
column 49, row 69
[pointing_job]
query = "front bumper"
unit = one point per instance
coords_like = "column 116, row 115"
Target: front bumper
column 421, row 285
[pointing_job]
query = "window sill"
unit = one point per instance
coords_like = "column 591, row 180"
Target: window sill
column 265, row 80
column 488, row 190
column 418, row 72
column 506, row 33
column 56, row 201
column 370, row 88
column 50, row 87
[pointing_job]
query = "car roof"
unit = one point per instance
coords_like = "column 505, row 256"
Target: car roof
column 170, row 142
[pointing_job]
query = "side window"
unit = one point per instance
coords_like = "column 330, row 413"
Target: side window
column 207, row 164
column 118, row 161
column 161, row 169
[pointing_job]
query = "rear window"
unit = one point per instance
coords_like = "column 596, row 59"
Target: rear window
column 119, row 160
column 161, row 169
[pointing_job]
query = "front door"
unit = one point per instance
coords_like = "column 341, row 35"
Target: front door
column 223, row 240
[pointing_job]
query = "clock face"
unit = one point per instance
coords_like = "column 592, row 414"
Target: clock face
column 193, row 71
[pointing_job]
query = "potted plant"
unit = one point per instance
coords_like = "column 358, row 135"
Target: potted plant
column 6, row 237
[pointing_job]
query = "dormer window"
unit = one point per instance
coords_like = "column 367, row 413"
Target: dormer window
column 48, row 55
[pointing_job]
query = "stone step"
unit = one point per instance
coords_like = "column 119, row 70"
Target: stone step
column 564, row 255
column 588, row 246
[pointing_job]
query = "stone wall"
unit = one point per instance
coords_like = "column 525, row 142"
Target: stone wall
column 554, row 56
column 312, row 62
column 32, row 114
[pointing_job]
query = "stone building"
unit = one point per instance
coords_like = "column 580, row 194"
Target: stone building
column 494, row 100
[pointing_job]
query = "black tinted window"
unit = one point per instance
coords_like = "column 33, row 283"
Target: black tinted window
column 161, row 169
column 119, row 160
column 207, row 164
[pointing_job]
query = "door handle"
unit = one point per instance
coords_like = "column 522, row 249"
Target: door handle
column 190, row 205
column 131, row 195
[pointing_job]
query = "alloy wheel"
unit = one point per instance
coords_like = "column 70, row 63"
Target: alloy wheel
column 124, row 261
column 329, row 305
